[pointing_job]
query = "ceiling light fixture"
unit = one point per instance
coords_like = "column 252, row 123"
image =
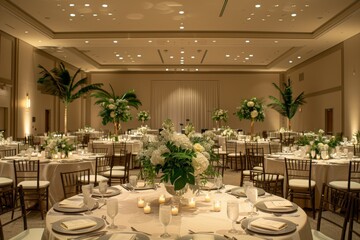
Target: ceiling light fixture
column 181, row 27
column 166, row 69
column 72, row 14
column 26, row 32
column 299, row 57
column 290, row 61
column 110, row 14
column 139, row 55
column 214, row 41
column 182, row 51
column 171, row 57
column 196, row 69
column 71, row 4
column 121, row 58
column 87, row 5
column 227, row 55
column 247, row 41
column 196, row 41
column 293, row 14
column 95, row 14
column 86, row 41
column 150, row 41
column 250, row 55
column 181, row 12
column 257, row 5
column 104, row 5
column 192, row 57
column 115, row 41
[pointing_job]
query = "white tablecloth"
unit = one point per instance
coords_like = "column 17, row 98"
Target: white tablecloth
column 202, row 218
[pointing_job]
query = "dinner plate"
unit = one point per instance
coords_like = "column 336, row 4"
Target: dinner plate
column 290, row 227
column 202, row 236
column 111, row 191
column 57, row 208
column 56, row 226
column 138, row 188
column 239, row 191
column 262, row 207
column 139, row 236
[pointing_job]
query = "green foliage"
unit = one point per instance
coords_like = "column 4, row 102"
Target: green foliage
column 251, row 109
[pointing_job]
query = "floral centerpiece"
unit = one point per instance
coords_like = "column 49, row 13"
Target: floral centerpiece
column 189, row 129
column 356, row 137
column 57, row 144
column 253, row 110
column 143, row 130
column 229, row 133
column 143, row 116
column 219, row 115
column 178, row 158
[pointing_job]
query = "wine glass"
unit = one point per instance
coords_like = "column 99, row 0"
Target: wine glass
column 165, row 218
column 218, row 183
column 313, row 154
column 133, row 182
column 233, row 214
column 103, row 189
column 112, row 210
column 252, row 195
column 87, row 191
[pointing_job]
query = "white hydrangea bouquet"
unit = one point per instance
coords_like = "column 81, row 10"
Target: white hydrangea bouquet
column 143, row 116
column 177, row 157
column 229, row 133
column 57, row 144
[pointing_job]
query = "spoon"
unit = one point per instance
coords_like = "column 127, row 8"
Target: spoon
column 104, row 217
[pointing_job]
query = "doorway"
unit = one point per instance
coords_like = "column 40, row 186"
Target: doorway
column 47, row 120
column 329, row 121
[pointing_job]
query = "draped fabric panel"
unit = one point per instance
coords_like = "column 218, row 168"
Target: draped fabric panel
column 181, row 100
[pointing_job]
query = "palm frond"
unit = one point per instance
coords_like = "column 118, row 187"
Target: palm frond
column 85, row 90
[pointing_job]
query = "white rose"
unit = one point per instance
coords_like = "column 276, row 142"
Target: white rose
column 254, row 114
column 250, row 104
column 198, row 147
column 111, row 100
column 111, row 106
column 200, row 164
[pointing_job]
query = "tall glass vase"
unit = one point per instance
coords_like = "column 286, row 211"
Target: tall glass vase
column 116, row 127
column 252, row 124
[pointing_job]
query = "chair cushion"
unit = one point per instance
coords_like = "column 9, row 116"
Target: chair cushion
column 118, row 168
column 344, row 185
column 317, row 235
column 258, row 168
column 99, row 178
column 246, row 172
column 29, row 234
column 268, row 177
column 301, row 183
column 5, row 181
column 118, row 173
column 233, row 154
column 33, row 184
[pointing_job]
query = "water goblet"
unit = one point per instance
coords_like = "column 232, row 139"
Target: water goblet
column 218, row 183
column 87, row 191
column 112, row 209
column 233, row 214
column 252, row 195
column 103, row 189
column 165, row 218
column 133, row 182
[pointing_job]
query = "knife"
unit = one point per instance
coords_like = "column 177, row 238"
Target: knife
column 94, row 234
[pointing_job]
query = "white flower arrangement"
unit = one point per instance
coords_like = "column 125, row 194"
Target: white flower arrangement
column 220, row 115
column 55, row 143
column 251, row 109
column 229, row 133
column 143, row 130
column 143, row 116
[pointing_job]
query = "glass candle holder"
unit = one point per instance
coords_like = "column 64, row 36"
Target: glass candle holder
column 217, row 206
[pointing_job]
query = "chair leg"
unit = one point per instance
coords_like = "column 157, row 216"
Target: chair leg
column 313, row 203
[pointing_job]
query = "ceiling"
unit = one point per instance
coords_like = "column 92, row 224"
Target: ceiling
column 188, row 36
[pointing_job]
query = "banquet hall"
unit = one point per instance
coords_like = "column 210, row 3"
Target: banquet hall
column 184, row 60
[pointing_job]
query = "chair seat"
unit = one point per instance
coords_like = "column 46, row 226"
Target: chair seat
column 344, row 185
column 117, row 173
column 33, row 184
column 246, row 172
column 5, row 181
column 99, row 178
column 29, row 234
column 234, row 154
column 258, row 168
column 118, row 168
column 317, row 235
column 268, row 177
column 301, row 183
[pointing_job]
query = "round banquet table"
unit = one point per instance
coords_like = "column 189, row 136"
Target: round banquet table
column 198, row 219
column 241, row 144
column 323, row 171
column 50, row 171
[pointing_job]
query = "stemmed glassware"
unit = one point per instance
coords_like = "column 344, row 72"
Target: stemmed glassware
column 165, row 218
column 112, row 209
column 313, row 154
column 252, row 195
column 233, row 214
column 103, row 189
column 218, row 183
column 133, row 182
column 87, row 191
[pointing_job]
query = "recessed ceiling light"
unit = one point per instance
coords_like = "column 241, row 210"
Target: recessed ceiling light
column 167, row 41
column 87, row 5
column 95, row 14
column 118, row 55
column 276, row 41
column 72, row 14
column 196, row 69
column 249, row 18
column 129, row 55
column 252, row 14
column 182, row 51
column 39, row 41
column 86, row 41
column 121, row 58
column 182, row 69
column 150, row 41
column 293, row 14
column 246, row 58
column 71, row 4
column 166, row 69
column 247, row 41
column 182, row 58
column 181, row 27
column 26, row 32
column 294, row 5
column 195, row 40
column 181, row 12
column 290, row 61
column 263, row 19
column 192, row 57
column 257, row 5
column 299, row 57
column 276, row 5
column 139, row 55
column 227, row 55
column 171, row 57
column 214, row 41
column 280, row 19
column 115, row 41
column 110, row 14
column 307, row 5
column 182, row 63
column 250, row 55
column 104, row 5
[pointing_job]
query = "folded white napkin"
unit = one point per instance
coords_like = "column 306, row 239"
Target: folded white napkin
column 122, row 236
column 78, row 224
column 268, row 224
column 278, row 204
column 71, row 204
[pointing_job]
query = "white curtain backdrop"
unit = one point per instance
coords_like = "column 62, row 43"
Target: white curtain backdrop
column 181, row 100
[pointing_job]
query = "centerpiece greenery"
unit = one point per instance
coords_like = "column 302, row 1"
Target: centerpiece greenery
column 253, row 110
column 178, row 158
column 54, row 143
column 229, row 133
column 220, row 115
column 115, row 109
column 143, row 116
column 58, row 82
column 287, row 106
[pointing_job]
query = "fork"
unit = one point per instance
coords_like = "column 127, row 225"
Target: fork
column 193, row 232
column 135, row 230
column 104, row 217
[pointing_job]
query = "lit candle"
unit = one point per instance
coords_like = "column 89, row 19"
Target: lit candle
column 207, row 198
column 56, row 156
column 141, row 202
column 147, row 208
column 174, row 210
column 217, row 206
column 162, row 199
column 317, row 156
column 192, row 203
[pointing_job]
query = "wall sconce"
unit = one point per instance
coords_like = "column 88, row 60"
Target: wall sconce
column 28, row 103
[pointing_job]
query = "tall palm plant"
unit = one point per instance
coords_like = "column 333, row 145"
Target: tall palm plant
column 115, row 108
column 58, row 82
column 287, row 106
